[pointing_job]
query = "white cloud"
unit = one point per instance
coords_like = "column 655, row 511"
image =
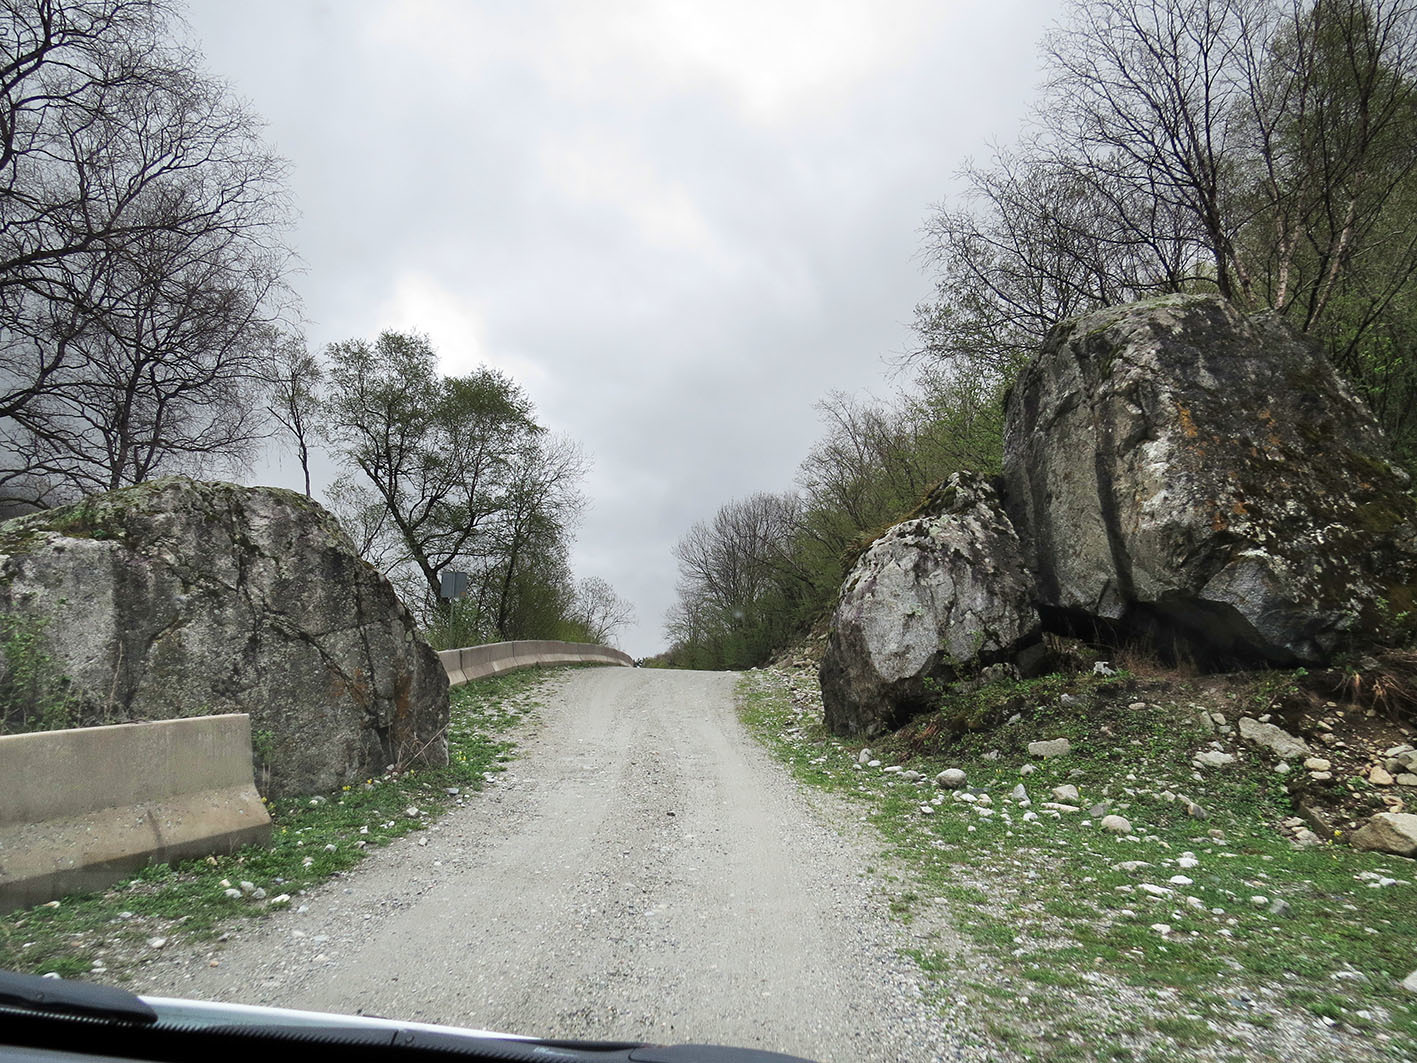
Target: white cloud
column 455, row 327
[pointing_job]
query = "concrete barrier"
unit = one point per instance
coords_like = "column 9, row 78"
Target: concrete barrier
column 81, row 809
column 474, row 662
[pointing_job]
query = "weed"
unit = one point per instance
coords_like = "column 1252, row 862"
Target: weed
column 34, row 692
column 1056, row 903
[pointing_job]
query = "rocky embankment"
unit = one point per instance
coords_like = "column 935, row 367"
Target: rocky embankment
column 1145, row 863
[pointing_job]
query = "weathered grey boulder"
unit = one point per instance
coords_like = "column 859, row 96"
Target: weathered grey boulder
column 179, row 598
column 1174, row 464
column 1388, row 832
column 935, row 598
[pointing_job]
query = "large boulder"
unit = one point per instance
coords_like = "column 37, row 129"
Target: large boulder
column 937, row 597
column 179, row 598
column 1176, row 466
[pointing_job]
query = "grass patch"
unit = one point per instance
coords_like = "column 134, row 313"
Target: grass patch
column 1073, row 917
column 105, row 935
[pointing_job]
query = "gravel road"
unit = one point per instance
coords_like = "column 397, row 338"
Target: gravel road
column 644, row 871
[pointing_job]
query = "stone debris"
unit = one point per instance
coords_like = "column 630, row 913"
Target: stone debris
column 1054, row 747
column 1214, row 758
column 1116, row 824
column 1272, row 738
column 950, row 779
column 1388, row 832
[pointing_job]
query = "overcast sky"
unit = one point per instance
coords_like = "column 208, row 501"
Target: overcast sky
column 676, row 225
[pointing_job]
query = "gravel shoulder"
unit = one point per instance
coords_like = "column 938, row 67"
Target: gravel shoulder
column 644, row 871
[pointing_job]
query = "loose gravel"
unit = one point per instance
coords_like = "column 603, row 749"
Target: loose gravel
column 645, row 871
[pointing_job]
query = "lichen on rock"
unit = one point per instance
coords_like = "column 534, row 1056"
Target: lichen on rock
column 1175, row 465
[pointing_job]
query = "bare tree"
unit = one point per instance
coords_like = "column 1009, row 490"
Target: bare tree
column 440, row 454
column 1264, row 149
column 601, row 610
column 141, row 254
column 296, row 381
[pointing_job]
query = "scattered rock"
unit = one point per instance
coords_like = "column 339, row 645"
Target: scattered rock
column 1214, row 758
column 950, row 779
column 1066, row 792
column 1410, row 982
column 1317, row 764
column 1388, row 832
column 1055, row 747
column 1379, row 776
column 1116, row 824
column 1274, row 739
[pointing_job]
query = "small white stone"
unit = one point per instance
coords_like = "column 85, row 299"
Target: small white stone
column 1181, row 880
column 156, row 943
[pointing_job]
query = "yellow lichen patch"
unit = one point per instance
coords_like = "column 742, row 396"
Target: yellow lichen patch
column 1188, row 426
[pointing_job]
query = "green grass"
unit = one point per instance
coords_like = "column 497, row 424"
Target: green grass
column 104, row 935
column 1054, row 917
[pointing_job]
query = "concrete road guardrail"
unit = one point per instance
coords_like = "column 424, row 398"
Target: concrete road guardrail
column 81, row 809
column 474, row 662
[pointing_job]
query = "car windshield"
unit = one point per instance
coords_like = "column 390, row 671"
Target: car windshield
column 871, row 531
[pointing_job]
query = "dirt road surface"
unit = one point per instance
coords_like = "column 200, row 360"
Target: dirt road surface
column 643, row 871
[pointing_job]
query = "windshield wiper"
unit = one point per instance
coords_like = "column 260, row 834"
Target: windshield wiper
column 56, row 996
column 80, row 1018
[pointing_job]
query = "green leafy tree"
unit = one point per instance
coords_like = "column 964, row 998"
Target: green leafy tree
column 432, row 457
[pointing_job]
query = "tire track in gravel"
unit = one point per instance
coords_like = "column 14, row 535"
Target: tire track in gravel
column 644, row 871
